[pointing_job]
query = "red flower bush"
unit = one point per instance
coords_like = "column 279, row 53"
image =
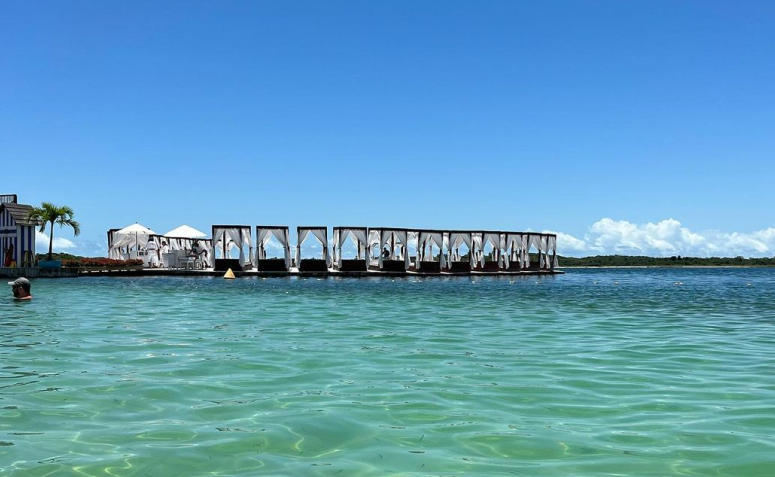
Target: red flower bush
column 100, row 263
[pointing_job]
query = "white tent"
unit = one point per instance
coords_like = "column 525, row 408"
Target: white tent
column 132, row 236
column 184, row 231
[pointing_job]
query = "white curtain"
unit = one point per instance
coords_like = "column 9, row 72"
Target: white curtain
column 283, row 235
column 552, row 246
column 384, row 236
column 336, row 245
column 493, row 239
column 361, row 241
column 375, row 238
column 132, row 240
column 539, row 243
column 238, row 237
column 247, row 242
column 458, row 238
column 235, row 236
column 433, row 238
column 321, row 235
column 208, row 245
column 525, row 251
column 302, row 235
column 358, row 236
column 402, row 236
column 265, row 235
column 412, row 236
column 477, row 245
column 504, row 246
column 262, row 238
column 218, row 238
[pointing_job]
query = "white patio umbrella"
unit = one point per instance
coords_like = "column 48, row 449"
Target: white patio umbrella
column 184, row 231
column 139, row 233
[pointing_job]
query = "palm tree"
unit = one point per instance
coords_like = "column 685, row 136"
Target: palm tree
column 50, row 213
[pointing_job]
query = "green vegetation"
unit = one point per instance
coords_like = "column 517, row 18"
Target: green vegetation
column 675, row 261
column 49, row 213
column 57, row 256
column 76, row 261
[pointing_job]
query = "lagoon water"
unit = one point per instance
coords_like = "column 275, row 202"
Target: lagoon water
column 598, row 372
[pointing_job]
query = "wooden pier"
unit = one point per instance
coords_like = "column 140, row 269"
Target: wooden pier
column 161, row 272
column 267, row 251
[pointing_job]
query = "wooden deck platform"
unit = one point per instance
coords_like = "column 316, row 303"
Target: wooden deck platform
column 35, row 272
column 162, row 272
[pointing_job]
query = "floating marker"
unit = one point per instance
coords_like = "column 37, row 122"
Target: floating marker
column 229, row 275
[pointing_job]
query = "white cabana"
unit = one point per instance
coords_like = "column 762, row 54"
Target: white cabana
column 359, row 237
column 540, row 242
column 179, row 248
column 321, row 234
column 228, row 237
column 133, row 238
column 497, row 240
column 264, row 234
column 182, row 239
column 427, row 239
column 514, row 250
column 455, row 239
column 396, row 241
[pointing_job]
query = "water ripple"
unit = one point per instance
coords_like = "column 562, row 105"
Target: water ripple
column 592, row 373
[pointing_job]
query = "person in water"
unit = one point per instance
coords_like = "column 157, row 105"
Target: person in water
column 21, row 289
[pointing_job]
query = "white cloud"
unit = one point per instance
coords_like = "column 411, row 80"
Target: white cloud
column 665, row 238
column 568, row 244
column 60, row 243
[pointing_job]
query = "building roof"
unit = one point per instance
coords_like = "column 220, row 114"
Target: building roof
column 19, row 212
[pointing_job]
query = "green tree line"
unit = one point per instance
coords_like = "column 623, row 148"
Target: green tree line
column 674, row 261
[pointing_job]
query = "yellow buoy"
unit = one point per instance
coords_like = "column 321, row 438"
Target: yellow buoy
column 229, row 274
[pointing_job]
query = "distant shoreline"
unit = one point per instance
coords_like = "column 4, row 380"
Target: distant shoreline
column 665, row 266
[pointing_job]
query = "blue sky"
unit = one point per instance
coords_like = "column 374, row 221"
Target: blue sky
column 607, row 121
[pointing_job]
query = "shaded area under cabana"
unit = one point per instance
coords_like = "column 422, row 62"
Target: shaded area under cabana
column 129, row 243
column 457, row 262
column 426, row 261
column 492, row 260
column 180, row 251
column 392, row 248
column 518, row 247
column 264, row 236
column 227, row 238
column 312, row 264
column 359, row 238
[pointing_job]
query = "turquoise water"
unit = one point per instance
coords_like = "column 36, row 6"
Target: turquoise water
column 630, row 372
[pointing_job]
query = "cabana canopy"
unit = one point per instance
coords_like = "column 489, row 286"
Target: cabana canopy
column 320, row 233
column 488, row 237
column 227, row 237
column 517, row 246
column 135, row 235
column 426, row 239
column 184, row 245
column 396, row 240
column 184, row 231
column 264, row 234
column 359, row 236
column 455, row 239
column 544, row 243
